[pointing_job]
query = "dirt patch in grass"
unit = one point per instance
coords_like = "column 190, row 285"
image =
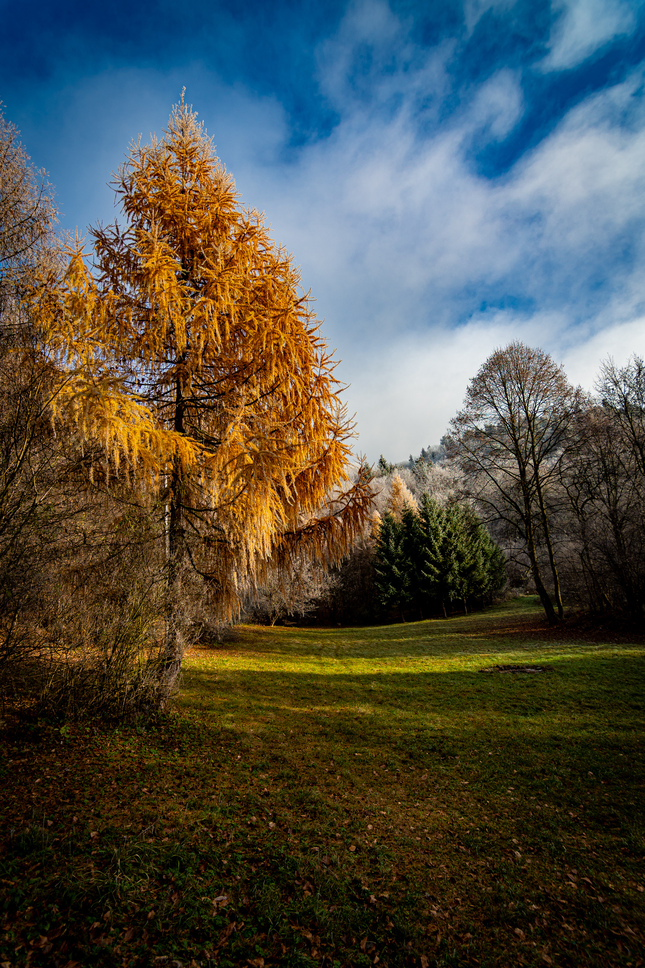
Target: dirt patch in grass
column 530, row 669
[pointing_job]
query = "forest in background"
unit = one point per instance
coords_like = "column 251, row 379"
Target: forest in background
column 556, row 476
column 175, row 453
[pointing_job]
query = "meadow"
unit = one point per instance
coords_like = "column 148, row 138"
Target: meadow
column 461, row 792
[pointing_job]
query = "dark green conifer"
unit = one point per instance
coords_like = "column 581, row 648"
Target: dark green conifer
column 391, row 577
column 436, row 558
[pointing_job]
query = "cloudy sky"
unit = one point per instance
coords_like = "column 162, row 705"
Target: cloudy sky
column 449, row 174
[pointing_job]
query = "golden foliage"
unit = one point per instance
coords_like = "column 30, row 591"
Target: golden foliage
column 400, row 498
column 191, row 353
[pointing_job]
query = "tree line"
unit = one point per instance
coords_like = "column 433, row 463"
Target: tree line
column 555, row 475
column 559, row 476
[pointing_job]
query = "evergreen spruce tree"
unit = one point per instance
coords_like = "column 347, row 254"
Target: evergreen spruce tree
column 413, row 560
column 384, row 467
column 431, row 518
column 391, row 572
column 491, row 574
column 455, row 558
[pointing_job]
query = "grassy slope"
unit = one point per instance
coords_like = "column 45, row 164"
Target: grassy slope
column 345, row 797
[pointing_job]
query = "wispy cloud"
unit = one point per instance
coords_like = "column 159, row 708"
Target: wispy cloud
column 584, row 26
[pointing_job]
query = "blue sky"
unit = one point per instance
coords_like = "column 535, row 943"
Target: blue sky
column 448, row 175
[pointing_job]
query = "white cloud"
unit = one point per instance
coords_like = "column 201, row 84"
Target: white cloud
column 497, row 106
column 406, row 395
column 396, row 230
column 584, row 26
column 620, row 341
column 400, row 239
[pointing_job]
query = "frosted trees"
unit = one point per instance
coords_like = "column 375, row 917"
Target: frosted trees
column 605, row 482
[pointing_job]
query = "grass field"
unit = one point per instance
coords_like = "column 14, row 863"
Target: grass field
column 344, row 797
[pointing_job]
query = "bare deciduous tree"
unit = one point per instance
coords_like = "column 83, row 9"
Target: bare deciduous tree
column 605, row 482
column 510, row 439
column 28, row 515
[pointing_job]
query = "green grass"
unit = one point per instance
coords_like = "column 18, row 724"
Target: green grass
column 352, row 797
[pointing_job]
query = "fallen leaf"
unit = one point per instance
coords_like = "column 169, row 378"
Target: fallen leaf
column 226, row 934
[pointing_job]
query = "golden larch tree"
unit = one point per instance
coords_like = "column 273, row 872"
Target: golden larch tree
column 191, row 351
column 401, row 497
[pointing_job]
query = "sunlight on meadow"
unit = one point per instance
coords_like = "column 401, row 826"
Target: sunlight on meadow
column 432, row 676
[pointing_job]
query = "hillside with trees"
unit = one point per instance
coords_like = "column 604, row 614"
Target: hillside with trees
column 553, row 477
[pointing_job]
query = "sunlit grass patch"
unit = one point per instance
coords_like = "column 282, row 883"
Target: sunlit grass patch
column 352, row 795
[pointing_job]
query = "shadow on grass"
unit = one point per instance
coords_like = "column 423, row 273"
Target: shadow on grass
column 577, row 726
